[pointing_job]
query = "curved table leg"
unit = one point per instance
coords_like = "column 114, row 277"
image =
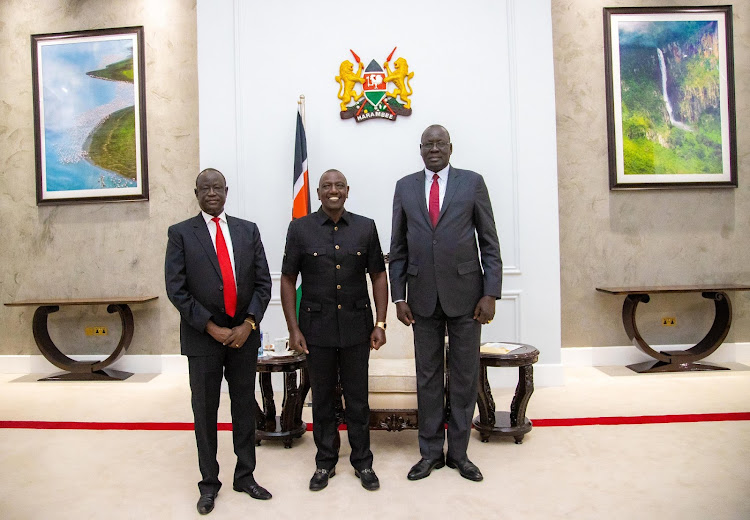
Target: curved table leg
column 340, row 414
column 680, row 360
column 524, row 389
column 260, row 422
column 304, row 388
column 291, row 394
column 716, row 334
column 628, row 320
column 269, row 406
column 486, row 404
column 82, row 370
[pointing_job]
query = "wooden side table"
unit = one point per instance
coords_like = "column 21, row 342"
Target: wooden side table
column 514, row 423
column 289, row 425
column 82, row 370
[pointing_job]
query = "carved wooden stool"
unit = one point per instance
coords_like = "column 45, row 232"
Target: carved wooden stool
column 514, row 423
column 289, row 425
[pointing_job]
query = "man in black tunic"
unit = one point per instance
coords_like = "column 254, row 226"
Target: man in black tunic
column 334, row 249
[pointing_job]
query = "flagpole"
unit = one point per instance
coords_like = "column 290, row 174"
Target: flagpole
column 301, row 181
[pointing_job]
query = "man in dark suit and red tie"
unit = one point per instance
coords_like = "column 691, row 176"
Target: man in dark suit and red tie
column 440, row 279
column 218, row 278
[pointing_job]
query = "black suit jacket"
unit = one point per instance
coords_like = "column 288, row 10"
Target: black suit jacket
column 194, row 283
column 444, row 262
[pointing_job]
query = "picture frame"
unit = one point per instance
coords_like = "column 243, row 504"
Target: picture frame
column 90, row 116
column 670, row 97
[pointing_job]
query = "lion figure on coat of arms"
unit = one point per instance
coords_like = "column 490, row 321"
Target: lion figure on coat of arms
column 347, row 78
column 400, row 78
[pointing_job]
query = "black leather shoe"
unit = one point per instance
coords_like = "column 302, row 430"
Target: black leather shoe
column 467, row 469
column 369, row 479
column 320, row 478
column 424, row 467
column 206, row 503
column 254, row 490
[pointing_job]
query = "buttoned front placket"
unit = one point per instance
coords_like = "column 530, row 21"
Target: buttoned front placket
column 337, row 275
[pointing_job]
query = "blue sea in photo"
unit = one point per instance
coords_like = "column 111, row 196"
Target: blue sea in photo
column 79, row 175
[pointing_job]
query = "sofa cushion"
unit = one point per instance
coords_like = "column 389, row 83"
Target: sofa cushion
column 393, row 375
column 393, row 400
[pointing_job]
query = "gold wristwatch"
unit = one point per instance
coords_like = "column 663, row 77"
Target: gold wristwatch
column 251, row 321
column 381, row 324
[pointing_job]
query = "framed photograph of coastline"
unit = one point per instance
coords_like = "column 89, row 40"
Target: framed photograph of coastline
column 670, row 97
column 90, row 116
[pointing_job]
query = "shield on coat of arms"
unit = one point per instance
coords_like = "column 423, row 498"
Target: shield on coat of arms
column 374, row 86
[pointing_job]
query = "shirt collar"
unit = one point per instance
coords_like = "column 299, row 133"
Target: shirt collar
column 322, row 217
column 443, row 174
column 208, row 218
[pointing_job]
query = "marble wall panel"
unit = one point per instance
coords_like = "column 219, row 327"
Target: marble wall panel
column 96, row 250
column 653, row 237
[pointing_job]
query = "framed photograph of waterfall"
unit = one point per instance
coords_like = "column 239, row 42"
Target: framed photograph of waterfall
column 90, row 116
column 670, row 97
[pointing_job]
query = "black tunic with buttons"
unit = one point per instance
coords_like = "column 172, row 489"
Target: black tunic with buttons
column 334, row 258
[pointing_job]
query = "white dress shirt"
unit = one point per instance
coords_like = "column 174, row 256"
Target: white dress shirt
column 442, row 183
column 227, row 237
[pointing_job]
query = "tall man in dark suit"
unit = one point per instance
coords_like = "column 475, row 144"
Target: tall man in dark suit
column 439, row 216
column 334, row 250
column 217, row 277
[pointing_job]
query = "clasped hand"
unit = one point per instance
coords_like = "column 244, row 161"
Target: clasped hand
column 233, row 338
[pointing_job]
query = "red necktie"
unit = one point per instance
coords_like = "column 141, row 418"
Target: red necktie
column 227, row 276
column 434, row 200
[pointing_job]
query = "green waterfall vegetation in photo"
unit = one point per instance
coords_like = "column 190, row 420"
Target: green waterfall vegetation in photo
column 669, row 79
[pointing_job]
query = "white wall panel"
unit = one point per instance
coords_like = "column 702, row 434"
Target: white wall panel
column 483, row 69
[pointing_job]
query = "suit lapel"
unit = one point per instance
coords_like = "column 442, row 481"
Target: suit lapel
column 204, row 239
column 419, row 194
column 454, row 180
column 238, row 245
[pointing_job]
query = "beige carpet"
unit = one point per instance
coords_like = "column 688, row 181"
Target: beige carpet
column 665, row 471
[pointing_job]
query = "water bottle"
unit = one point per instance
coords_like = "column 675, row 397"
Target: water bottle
column 263, row 336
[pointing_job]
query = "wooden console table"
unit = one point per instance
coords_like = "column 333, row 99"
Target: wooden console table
column 678, row 360
column 82, row 370
column 289, row 425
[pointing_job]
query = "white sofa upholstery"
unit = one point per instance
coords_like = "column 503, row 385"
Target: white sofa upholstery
column 392, row 378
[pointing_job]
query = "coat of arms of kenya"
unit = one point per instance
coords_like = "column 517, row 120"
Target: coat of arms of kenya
column 374, row 101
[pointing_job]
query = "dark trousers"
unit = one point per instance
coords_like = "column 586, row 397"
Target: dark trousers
column 464, row 335
column 325, row 365
column 238, row 367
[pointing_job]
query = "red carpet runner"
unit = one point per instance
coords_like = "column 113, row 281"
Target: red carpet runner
column 538, row 423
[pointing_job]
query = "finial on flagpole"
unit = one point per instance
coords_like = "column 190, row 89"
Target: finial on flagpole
column 301, row 103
